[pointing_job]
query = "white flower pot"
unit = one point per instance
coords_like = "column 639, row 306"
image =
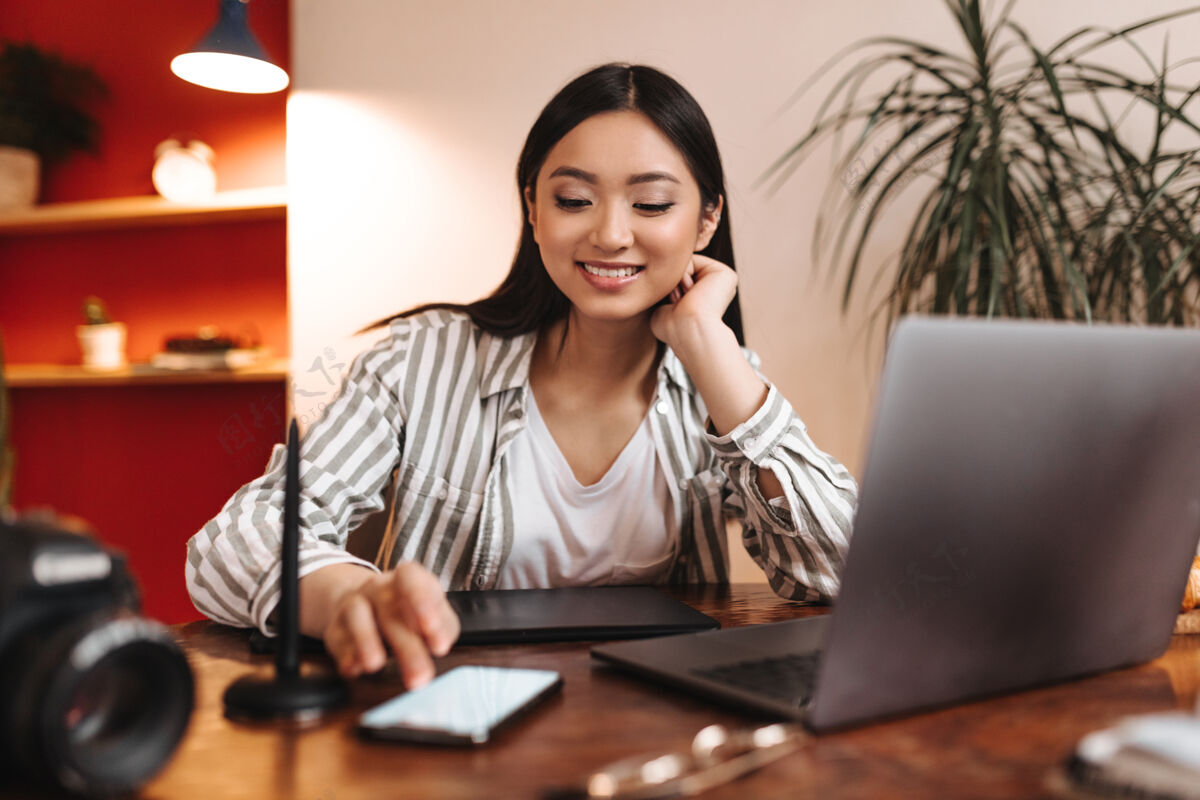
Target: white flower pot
column 103, row 346
column 19, row 175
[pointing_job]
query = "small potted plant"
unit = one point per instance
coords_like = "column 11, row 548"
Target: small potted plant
column 44, row 117
column 101, row 340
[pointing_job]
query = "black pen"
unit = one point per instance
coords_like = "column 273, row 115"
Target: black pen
column 288, row 694
column 287, row 661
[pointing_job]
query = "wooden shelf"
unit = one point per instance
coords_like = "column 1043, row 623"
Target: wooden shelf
column 56, row 375
column 145, row 212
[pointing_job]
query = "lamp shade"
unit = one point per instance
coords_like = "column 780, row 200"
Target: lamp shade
column 229, row 58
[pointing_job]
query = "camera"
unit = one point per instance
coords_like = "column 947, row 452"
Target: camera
column 93, row 697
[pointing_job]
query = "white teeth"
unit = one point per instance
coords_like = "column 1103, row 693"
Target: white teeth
column 623, row 272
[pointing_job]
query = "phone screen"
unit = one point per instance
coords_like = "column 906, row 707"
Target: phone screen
column 462, row 706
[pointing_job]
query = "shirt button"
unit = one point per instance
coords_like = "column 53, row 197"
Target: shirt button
column 441, row 493
column 479, row 582
column 662, row 407
column 750, row 442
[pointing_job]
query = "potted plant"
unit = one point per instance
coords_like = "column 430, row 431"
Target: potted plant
column 101, row 340
column 1030, row 198
column 44, row 117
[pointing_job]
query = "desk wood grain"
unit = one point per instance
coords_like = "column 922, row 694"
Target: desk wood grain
column 1007, row 747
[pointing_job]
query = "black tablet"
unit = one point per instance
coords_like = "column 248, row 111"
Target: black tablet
column 511, row 616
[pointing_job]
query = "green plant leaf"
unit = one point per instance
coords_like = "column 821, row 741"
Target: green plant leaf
column 1041, row 206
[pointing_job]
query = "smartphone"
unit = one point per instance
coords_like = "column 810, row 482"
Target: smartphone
column 464, row 706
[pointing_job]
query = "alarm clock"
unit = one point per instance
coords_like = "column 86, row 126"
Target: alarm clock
column 183, row 171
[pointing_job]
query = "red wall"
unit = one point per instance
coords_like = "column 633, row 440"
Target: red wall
column 158, row 281
column 148, row 465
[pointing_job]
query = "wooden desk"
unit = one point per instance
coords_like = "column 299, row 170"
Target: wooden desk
column 1002, row 748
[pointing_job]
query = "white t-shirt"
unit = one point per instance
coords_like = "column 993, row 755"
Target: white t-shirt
column 619, row 530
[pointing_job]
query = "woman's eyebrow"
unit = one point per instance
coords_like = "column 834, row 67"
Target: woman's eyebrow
column 589, row 177
column 651, row 177
column 574, row 172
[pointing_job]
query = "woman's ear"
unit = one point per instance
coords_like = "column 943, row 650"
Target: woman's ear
column 530, row 210
column 710, row 218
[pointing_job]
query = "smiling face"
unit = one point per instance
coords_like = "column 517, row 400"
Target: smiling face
column 617, row 216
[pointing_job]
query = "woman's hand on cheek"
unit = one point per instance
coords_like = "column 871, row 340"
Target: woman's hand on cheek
column 404, row 611
column 707, row 288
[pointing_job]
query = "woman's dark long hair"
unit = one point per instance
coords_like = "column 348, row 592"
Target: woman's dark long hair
column 528, row 300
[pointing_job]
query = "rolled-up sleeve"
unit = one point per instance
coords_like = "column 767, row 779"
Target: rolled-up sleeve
column 346, row 460
column 801, row 542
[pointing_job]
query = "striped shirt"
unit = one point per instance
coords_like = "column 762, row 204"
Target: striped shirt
column 432, row 409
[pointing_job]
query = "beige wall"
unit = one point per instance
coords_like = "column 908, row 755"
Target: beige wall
column 407, row 117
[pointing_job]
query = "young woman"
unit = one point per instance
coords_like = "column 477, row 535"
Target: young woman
column 592, row 421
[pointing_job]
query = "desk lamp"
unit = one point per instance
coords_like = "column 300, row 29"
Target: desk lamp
column 289, row 695
column 229, row 58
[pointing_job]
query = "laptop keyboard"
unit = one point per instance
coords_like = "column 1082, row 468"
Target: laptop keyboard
column 788, row 678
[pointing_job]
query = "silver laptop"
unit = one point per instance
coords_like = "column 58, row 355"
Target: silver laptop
column 1028, row 513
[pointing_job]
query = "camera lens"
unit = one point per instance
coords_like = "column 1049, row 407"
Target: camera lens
column 118, row 695
column 117, row 704
column 100, row 709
